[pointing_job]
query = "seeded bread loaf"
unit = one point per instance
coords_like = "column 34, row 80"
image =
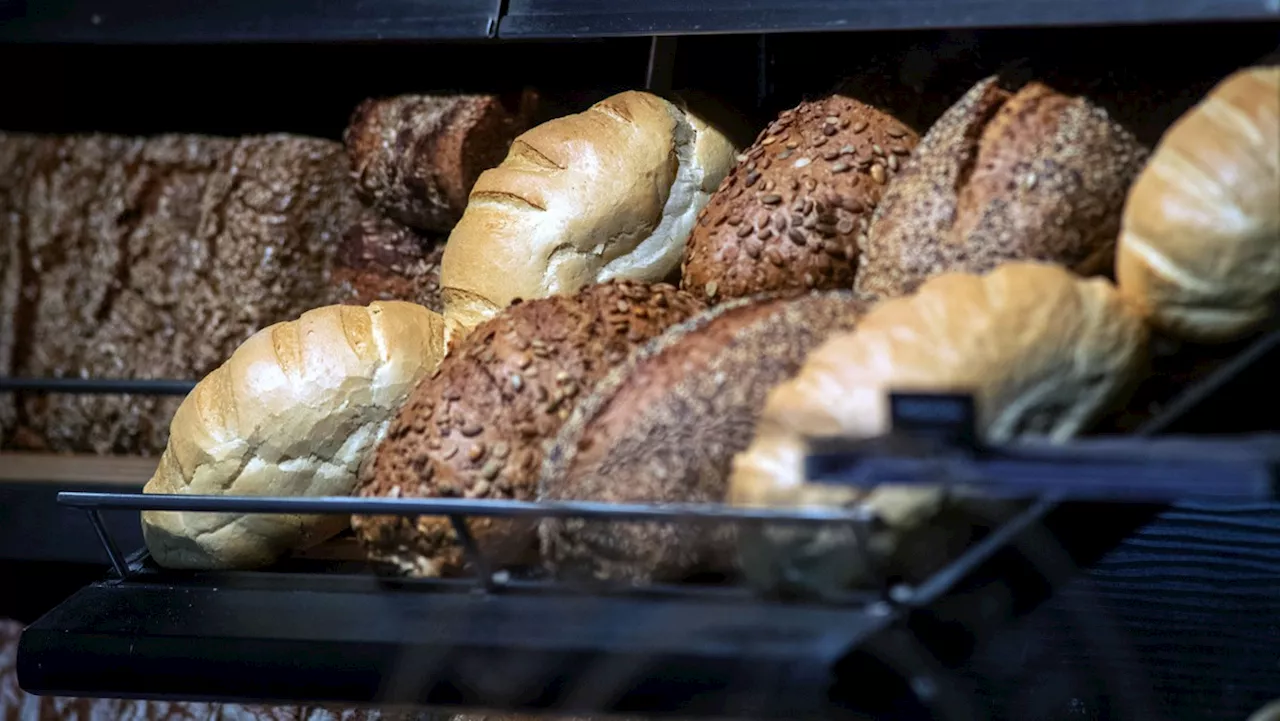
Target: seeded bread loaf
column 790, row 214
column 155, row 258
column 664, row 428
column 611, row 192
column 415, row 157
column 379, row 259
column 1200, row 245
column 292, row 412
column 476, row 428
column 1031, row 175
column 1043, row 351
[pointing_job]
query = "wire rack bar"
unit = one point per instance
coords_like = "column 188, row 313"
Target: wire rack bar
column 102, row 386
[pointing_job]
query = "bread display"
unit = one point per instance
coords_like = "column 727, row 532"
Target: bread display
column 1031, row 175
column 476, row 428
column 1200, row 244
column 1043, row 352
column 611, row 192
column 664, row 428
column 416, row 157
column 789, row 216
column 155, row 258
column 292, row 412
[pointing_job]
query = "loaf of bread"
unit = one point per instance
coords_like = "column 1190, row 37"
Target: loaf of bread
column 155, row 258
column 379, row 259
column 664, row 428
column 790, row 214
column 1031, row 175
column 1043, row 352
column 18, row 705
column 415, row 157
column 1200, row 244
column 292, row 412
column 611, row 192
column 476, row 428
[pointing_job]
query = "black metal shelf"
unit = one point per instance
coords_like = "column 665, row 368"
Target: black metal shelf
column 317, row 632
column 238, row 21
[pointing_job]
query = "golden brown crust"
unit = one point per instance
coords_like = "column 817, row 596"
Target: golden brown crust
column 476, row 429
column 293, row 412
column 1043, row 351
column 664, row 428
column 789, row 215
column 1034, row 175
column 415, row 157
column 1200, row 245
column 610, row 192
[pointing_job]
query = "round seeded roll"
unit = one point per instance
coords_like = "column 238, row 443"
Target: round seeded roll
column 1043, row 351
column 1200, row 245
column 476, row 428
column 664, row 428
column 1032, row 175
column 293, row 412
column 790, row 214
column 611, row 192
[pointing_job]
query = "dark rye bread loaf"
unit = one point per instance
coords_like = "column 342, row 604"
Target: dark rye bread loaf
column 415, row 157
column 1032, row 175
column 476, row 428
column 154, row 258
column 789, row 215
column 379, row 259
column 665, row 427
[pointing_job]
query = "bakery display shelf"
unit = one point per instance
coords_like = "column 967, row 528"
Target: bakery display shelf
column 235, row 21
column 342, row 630
column 587, row 18
column 136, row 21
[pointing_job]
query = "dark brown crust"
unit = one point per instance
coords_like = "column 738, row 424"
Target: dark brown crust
column 774, row 226
column 379, row 259
column 665, row 427
column 1035, row 175
column 476, row 428
column 415, row 157
column 153, row 258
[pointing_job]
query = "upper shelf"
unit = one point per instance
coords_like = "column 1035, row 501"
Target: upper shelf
column 231, row 21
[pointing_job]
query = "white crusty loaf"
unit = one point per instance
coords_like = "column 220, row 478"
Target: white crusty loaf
column 293, row 412
column 1043, row 352
column 611, row 192
column 1199, row 247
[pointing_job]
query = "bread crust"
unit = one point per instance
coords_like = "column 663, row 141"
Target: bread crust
column 292, row 412
column 1031, row 175
column 790, row 214
column 611, row 192
column 477, row 428
column 1043, row 351
column 664, row 428
column 414, row 158
column 379, row 259
column 1199, row 250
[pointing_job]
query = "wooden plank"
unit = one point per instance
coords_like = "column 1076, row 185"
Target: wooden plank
column 53, row 468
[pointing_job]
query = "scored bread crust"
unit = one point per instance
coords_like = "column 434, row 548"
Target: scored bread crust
column 476, row 428
column 292, row 412
column 1032, row 175
column 664, row 428
column 611, row 192
column 790, row 214
column 1200, row 244
column 1043, row 351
